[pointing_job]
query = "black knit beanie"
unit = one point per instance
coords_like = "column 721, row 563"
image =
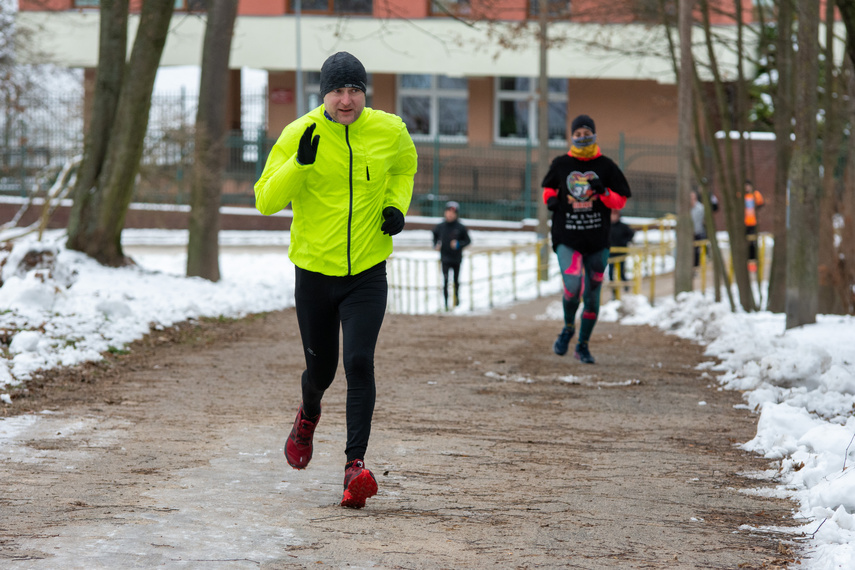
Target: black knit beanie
column 342, row 70
column 583, row 121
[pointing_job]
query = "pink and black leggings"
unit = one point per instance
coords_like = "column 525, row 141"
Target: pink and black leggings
column 583, row 278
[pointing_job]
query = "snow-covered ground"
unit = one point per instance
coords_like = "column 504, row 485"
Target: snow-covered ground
column 67, row 309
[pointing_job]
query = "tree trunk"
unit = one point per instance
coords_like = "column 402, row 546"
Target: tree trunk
column 847, row 14
column 685, row 231
column 783, row 101
column 803, row 237
column 99, row 230
column 828, row 298
column 846, row 243
column 731, row 187
column 112, row 52
column 544, row 157
column 203, row 245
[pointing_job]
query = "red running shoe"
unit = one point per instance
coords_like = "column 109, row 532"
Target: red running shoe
column 298, row 448
column 359, row 484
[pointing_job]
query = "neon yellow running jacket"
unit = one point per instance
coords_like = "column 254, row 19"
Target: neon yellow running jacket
column 338, row 201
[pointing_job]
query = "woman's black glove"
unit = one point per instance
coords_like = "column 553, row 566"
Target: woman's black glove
column 308, row 149
column 597, row 186
column 552, row 203
column 394, row 221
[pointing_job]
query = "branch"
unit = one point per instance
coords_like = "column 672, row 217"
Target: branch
column 846, row 453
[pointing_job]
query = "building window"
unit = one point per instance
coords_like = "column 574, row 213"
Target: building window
column 312, row 91
column 516, row 109
column 434, row 105
column 449, row 7
column 180, row 5
column 335, row 6
column 191, row 5
column 555, row 8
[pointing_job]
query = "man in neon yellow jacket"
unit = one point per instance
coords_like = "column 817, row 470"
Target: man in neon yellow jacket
column 347, row 172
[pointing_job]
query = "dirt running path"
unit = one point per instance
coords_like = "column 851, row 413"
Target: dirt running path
column 489, row 451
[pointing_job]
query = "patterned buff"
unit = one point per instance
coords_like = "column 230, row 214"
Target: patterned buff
column 585, row 147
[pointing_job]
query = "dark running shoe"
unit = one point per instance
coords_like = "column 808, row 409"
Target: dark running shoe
column 583, row 354
column 563, row 341
column 359, row 484
column 298, row 448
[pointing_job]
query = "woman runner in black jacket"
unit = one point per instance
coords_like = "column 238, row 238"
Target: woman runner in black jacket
column 581, row 189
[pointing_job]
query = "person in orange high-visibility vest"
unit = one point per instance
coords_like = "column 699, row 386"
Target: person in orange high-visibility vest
column 753, row 202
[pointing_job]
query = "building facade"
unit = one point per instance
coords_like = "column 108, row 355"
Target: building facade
column 463, row 74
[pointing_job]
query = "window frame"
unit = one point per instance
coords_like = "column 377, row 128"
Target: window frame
column 184, row 7
column 198, row 8
column 531, row 9
column 529, row 96
column 434, row 93
column 453, row 10
column 330, row 10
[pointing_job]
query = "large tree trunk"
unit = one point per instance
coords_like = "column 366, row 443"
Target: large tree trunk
column 685, row 232
column 203, row 246
column 845, row 249
column 99, row 229
column 783, row 101
column 828, row 298
column 803, row 235
column 112, row 53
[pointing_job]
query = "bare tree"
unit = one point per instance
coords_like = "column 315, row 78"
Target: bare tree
column 847, row 13
column 685, row 234
column 123, row 99
column 112, row 47
column 804, row 187
column 829, row 301
column 543, row 132
column 846, row 244
column 724, row 163
column 203, row 245
column 782, row 97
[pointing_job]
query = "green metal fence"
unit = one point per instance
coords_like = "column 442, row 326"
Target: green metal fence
column 494, row 181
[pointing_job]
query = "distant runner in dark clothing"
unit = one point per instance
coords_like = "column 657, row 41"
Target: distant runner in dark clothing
column 449, row 238
column 620, row 235
column 581, row 189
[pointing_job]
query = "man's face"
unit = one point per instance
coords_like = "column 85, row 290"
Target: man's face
column 345, row 104
column 450, row 214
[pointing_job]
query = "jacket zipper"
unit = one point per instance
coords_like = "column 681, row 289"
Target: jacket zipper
column 350, row 205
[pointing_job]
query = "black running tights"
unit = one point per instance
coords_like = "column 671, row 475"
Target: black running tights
column 356, row 304
column 455, row 269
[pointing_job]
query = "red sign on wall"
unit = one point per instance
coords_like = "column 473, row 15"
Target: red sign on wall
column 281, row 96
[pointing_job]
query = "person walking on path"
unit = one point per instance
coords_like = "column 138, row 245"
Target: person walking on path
column 449, row 238
column 348, row 172
column 753, row 202
column 620, row 235
column 581, row 189
column 699, row 226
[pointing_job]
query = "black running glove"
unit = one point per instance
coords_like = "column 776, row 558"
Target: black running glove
column 597, row 186
column 394, row 221
column 308, row 149
column 552, row 203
